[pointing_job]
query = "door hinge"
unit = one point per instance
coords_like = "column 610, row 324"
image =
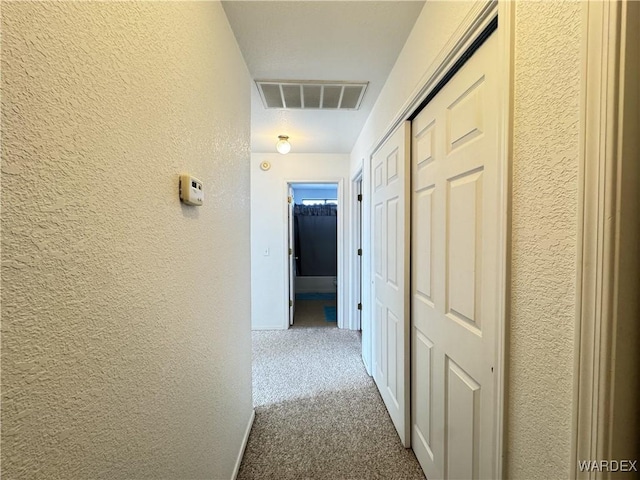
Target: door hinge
column 359, row 197
column 360, row 252
column 359, row 306
column 290, row 251
column 291, row 303
column 289, row 199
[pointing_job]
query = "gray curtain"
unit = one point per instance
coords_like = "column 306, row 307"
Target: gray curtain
column 316, row 239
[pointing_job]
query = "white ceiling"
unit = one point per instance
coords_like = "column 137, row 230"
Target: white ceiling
column 318, row 40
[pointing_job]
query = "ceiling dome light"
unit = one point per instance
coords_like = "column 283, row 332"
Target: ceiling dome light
column 283, row 146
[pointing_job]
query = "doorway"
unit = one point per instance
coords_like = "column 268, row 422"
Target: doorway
column 312, row 242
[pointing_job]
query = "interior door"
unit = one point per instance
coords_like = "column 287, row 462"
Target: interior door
column 292, row 257
column 390, row 222
column 455, row 264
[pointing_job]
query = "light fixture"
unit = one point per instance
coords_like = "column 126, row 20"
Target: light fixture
column 283, row 146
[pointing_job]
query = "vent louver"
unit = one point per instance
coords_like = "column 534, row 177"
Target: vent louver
column 306, row 95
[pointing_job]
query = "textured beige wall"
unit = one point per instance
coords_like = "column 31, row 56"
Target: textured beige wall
column 125, row 315
column 544, row 236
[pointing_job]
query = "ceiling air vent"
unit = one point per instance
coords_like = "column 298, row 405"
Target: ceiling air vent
column 320, row 95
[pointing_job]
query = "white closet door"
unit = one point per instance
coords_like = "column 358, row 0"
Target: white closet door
column 390, row 223
column 455, row 260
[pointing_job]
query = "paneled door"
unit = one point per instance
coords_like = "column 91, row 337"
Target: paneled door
column 390, row 245
column 455, row 260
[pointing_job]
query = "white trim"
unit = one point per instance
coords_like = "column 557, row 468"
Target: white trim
column 342, row 271
column 269, row 327
column 354, row 281
column 371, row 267
column 243, row 446
column 506, row 43
column 367, row 277
column 596, row 273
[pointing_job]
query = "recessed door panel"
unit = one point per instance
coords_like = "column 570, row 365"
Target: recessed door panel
column 377, row 244
column 392, row 166
column 377, row 177
column 384, row 346
column 422, row 250
column 464, row 245
column 422, row 390
column 380, row 365
column 424, row 145
column 393, row 232
column 465, row 117
column 462, row 399
column 393, row 324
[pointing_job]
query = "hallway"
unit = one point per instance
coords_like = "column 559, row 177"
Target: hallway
column 318, row 414
column 129, row 316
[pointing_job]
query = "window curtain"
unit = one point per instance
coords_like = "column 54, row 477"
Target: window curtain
column 316, row 238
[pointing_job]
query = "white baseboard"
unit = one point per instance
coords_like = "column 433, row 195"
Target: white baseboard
column 268, row 327
column 244, row 445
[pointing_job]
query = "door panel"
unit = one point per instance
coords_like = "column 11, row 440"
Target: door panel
column 394, row 229
column 454, row 257
column 377, row 246
column 422, row 387
column 462, row 405
column 464, row 237
column 390, row 283
column 423, row 257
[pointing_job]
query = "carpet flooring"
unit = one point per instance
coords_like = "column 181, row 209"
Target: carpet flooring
column 318, row 413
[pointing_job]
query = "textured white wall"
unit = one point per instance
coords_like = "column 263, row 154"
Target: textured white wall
column 125, row 315
column 545, row 169
column 269, row 223
column 544, row 238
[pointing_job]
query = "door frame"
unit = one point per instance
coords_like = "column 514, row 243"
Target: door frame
column 356, row 281
column 366, row 317
column 477, row 20
column 291, row 264
column 342, row 290
column 609, row 144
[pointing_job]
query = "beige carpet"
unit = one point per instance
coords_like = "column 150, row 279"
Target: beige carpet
column 318, row 414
